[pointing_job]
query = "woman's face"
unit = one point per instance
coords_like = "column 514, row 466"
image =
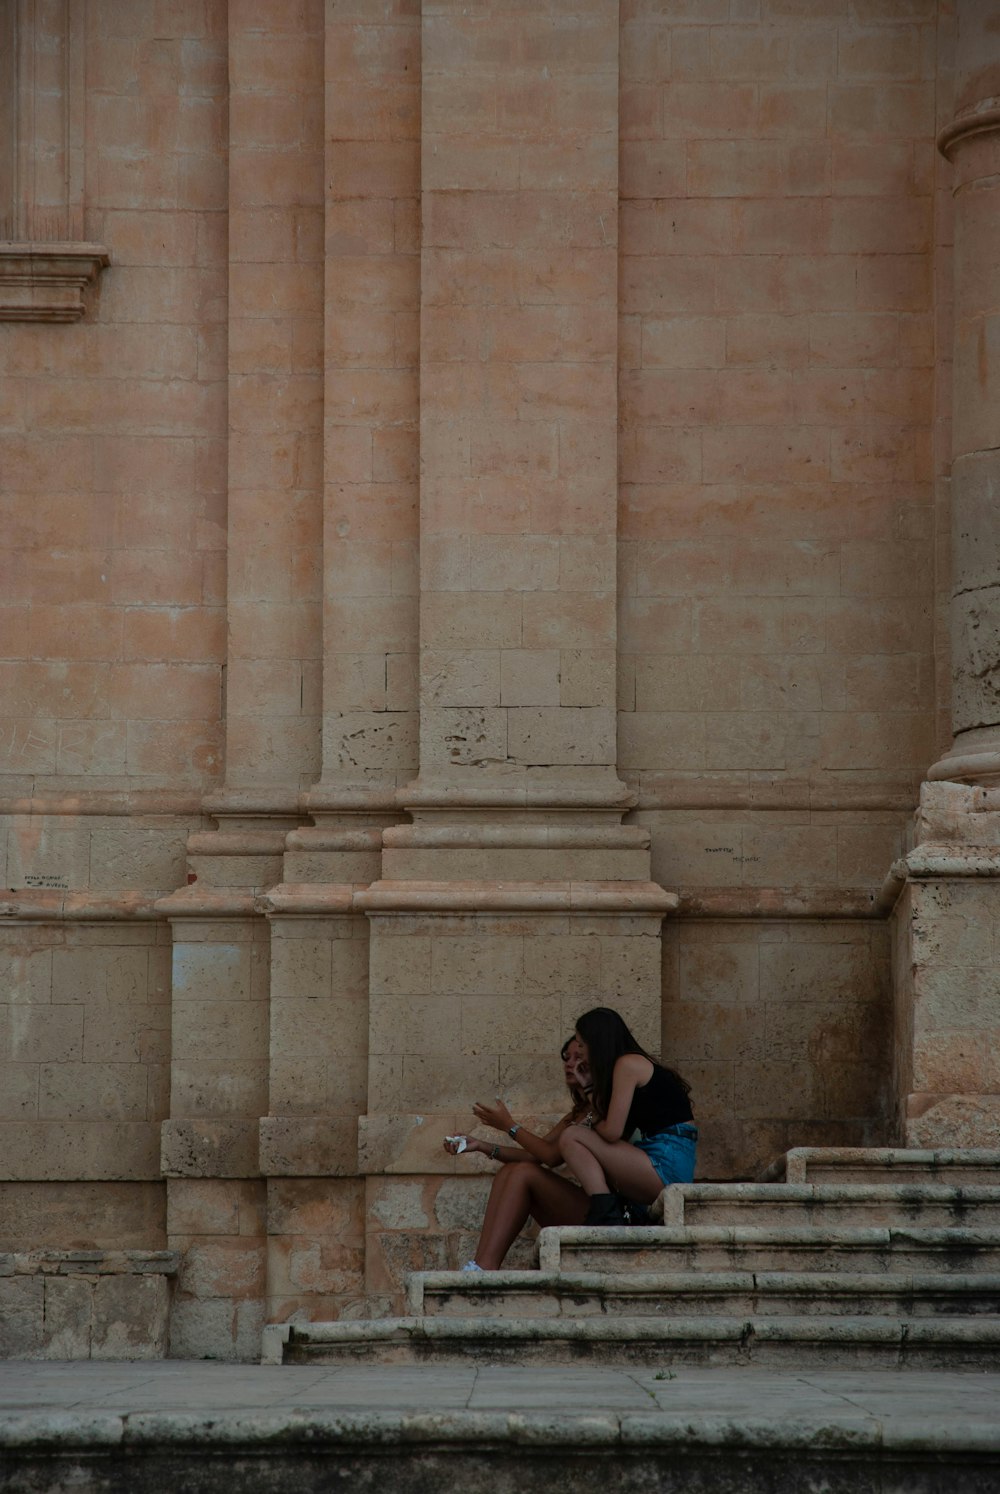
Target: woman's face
column 575, row 1065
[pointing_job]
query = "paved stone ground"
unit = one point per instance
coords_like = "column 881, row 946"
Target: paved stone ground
column 851, row 1398
column 808, row 1421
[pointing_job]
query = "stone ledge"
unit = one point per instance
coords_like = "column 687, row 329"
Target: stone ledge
column 886, row 1164
column 208, row 902
column 811, row 1339
column 665, row 1293
column 43, row 906
column 277, row 1429
column 45, row 282
column 772, row 1247
column 779, row 903
column 515, row 836
column 90, row 1263
column 526, row 897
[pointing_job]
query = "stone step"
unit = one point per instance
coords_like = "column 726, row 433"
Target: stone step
column 805, row 1340
column 814, row 1164
column 830, row 1205
column 713, row 1247
column 744, row 1294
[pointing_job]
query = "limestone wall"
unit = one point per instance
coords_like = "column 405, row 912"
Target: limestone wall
column 457, row 374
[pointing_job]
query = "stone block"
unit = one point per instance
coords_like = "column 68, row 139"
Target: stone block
column 204, row 1330
column 956, row 997
column 315, row 1208
column 416, row 1025
column 25, row 975
column 138, row 858
column 231, row 1030
column 492, row 964
column 201, row 1087
column 211, row 972
column 718, row 972
column 394, row 1204
column 68, row 1318
column 130, row 1317
column 524, row 1025
column 209, row 1148
column 93, row 1091
column 469, row 679
column 21, row 1317
column 80, row 1149
column 198, row 1206
column 219, row 1266
column 311, row 1085
column 953, row 1120
column 81, row 1215
column 304, row 1146
column 400, row 967
column 413, row 1142
column 41, row 1034
column 112, row 972
column 18, row 1091
column 563, row 734
column 467, row 736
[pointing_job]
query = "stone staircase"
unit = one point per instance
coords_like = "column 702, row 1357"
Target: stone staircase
column 858, row 1258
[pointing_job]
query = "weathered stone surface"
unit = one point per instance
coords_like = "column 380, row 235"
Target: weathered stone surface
column 507, row 423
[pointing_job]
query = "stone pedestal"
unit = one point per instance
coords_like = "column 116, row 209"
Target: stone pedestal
column 946, row 925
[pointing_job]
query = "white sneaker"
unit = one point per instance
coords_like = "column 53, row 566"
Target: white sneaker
column 472, row 1266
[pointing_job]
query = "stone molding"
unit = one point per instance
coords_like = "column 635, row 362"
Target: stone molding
column 779, row 903
column 47, row 906
column 202, row 902
column 967, row 767
column 46, row 282
column 983, row 120
column 931, row 861
column 522, row 897
column 517, row 836
column 431, row 795
column 90, row 1262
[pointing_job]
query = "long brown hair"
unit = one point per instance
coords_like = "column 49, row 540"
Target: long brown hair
column 582, row 1101
column 607, row 1037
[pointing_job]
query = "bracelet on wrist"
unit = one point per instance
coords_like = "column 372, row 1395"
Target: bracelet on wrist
column 513, row 1130
column 494, row 1154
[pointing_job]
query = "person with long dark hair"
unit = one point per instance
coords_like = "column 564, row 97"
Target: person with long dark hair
column 525, row 1187
column 631, row 1092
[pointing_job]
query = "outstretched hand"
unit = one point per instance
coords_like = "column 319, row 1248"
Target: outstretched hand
column 472, row 1144
column 497, row 1116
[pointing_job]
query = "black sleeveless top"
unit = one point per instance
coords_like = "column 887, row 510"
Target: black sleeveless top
column 658, row 1103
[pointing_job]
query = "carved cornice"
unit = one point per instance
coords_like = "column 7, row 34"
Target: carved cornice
column 45, row 282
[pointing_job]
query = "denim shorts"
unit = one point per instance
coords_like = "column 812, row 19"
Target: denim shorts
column 671, row 1152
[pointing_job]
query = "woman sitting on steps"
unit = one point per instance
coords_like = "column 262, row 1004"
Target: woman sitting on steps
column 525, row 1187
column 631, row 1092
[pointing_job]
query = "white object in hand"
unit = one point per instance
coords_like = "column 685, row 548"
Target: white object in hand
column 460, row 1143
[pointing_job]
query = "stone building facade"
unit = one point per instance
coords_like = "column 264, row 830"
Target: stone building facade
column 501, row 515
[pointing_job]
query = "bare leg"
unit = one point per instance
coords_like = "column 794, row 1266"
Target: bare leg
column 520, row 1190
column 603, row 1166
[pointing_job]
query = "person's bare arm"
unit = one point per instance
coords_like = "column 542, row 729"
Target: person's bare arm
column 631, row 1070
column 526, row 1147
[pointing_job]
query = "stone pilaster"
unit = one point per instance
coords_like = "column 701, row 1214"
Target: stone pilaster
column 209, row 1144
column 971, row 142
column 518, row 405
column 274, row 541
column 516, row 898
column 947, row 993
